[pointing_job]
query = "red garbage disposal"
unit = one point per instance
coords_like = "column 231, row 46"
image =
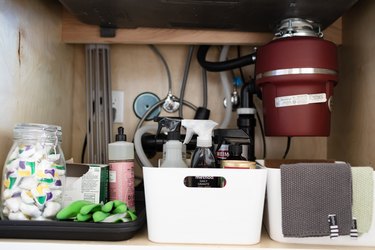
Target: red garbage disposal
column 296, row 76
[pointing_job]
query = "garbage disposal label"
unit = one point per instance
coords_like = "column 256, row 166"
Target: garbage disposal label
column 295, row 100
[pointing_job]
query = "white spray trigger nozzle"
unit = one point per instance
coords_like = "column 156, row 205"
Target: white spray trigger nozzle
column 203, row 128
column 189, row 135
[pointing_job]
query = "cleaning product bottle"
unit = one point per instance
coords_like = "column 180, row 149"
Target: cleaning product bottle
column 222, row 152
column 173, row 147
column 203, row 156
column 235, row 152
column 121, row 169
column 222, row 138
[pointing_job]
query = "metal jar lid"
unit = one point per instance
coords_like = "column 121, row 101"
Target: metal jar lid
column 238, row 164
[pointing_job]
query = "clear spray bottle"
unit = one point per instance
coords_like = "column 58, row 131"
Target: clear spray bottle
column 173, row 147
column 203, row 156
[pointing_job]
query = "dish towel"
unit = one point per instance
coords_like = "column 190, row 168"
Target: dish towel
column 363, row 187
column 310, row 192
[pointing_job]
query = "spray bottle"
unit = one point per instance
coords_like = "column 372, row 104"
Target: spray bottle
column 173, row 148
column 203, row 156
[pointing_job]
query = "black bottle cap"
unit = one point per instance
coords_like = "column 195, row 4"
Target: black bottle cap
column 120, row 136
column 202, row 114
column 172, row 124
column 235, row 150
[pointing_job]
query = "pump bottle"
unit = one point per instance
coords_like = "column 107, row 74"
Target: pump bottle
column 173, row 147
column 235, row 152
column 121, row 169
column 203, row 156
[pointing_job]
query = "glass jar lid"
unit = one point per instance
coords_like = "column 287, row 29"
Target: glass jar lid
column 35, row 131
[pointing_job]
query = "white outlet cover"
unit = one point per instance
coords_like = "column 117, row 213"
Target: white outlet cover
column 118, row 105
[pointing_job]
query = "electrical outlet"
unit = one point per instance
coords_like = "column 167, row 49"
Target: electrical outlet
column 118, row 106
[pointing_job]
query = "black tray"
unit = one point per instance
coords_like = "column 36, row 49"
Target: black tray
column 69, row 230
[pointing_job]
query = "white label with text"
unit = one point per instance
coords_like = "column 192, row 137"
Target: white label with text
column 295, row 100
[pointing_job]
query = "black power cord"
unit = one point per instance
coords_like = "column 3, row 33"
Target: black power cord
column 241, row 71
column 287, row 147
column 263, row 135
column 84, row 149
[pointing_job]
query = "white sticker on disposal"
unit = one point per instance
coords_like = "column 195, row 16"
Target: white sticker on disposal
column 295, row 100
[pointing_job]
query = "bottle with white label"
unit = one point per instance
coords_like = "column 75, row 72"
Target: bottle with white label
column 121, row 169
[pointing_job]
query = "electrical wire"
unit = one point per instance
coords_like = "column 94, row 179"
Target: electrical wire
column 205, row 90
column 161, row 57
column 205, row 87
column 287, row 147
column 262, row 132
column 184, row 79
column 261, row 125
column 241, row 71
column 226, row 89
column 84, row 149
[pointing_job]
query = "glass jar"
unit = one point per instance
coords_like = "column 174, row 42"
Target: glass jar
column 33, row 174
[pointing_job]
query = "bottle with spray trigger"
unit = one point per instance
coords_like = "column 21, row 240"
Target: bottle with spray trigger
column 203, row 156
column 173, row 148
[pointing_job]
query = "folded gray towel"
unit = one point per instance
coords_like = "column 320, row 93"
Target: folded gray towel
column 312, row 191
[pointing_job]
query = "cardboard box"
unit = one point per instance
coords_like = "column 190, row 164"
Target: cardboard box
column 86, row 182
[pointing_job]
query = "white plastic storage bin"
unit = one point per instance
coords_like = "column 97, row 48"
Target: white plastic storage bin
column 228, row 215
column 273, row 219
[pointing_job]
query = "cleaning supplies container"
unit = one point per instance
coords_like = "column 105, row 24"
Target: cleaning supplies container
column 297, row 76
column 273, row 218
column 33, row 173
column 231, row 214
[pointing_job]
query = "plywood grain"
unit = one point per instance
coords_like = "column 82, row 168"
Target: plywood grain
column 353, row 128
column 36, row 70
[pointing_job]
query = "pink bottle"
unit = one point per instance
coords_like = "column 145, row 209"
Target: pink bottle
column 121, row 169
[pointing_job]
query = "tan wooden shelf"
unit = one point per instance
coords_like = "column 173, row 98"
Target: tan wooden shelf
column 74, row 31
column 140, row 241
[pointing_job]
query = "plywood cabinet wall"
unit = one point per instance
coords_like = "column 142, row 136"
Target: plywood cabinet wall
column 36, row 70
column 353, row 129
column 42, row 80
